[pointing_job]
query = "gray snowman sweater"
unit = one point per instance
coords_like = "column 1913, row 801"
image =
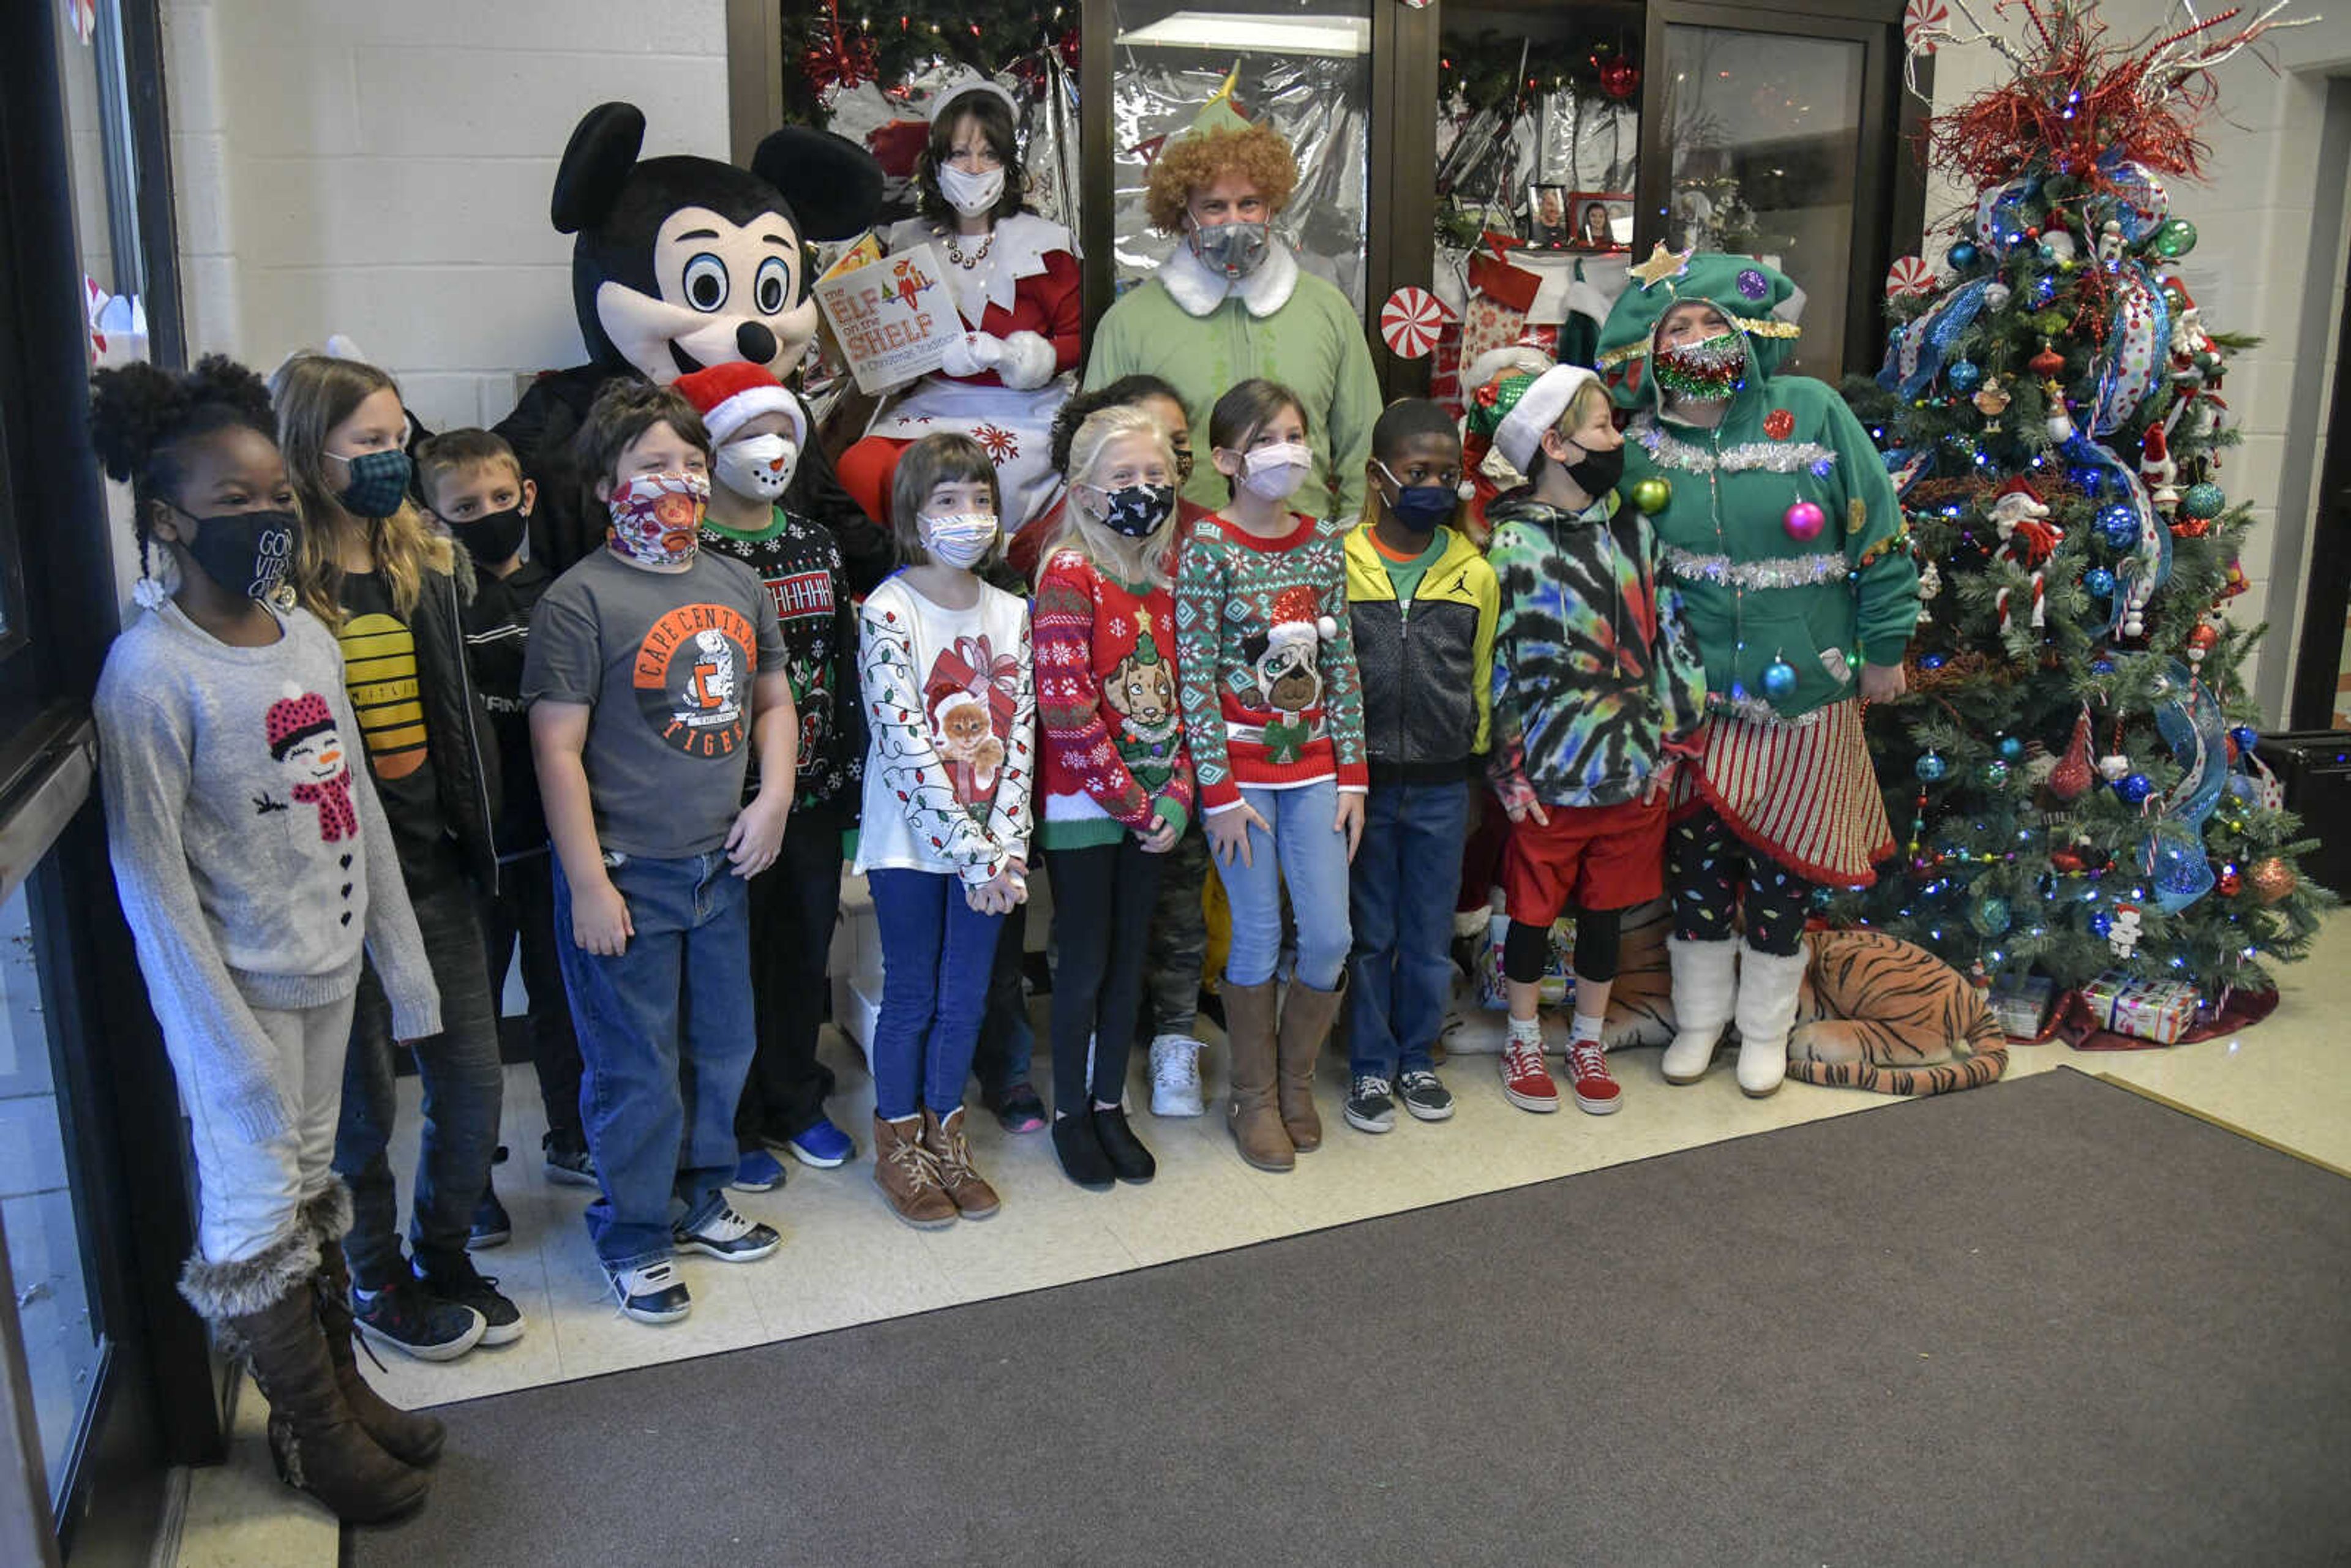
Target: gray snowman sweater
column 252, row 857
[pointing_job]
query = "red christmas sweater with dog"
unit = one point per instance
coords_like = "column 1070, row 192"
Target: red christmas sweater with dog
column 1271, row 700
column 1106, row 701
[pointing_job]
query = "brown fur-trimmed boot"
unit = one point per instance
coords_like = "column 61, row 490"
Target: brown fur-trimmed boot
column 907, row 1175
column 1306, row 1015
column 1255, row 1119
column 268, row 1313
column 951, row 1152
column 406, row 1436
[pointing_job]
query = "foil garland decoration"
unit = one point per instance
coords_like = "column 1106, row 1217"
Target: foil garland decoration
column 1670, row 451
column 1779, row 572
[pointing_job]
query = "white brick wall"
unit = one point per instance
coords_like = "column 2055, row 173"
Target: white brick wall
column 2250, row 273
column 383, row 170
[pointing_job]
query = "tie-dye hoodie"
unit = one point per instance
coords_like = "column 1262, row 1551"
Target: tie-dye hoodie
column 1595, row 680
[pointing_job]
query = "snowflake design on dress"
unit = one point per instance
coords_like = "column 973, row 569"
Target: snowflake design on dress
column 1001, row 445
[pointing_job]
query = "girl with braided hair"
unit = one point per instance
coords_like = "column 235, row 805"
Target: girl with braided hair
column 255, row 866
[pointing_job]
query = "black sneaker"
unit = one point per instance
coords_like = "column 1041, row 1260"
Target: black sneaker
column 502, row 1321
column 1368, row 1108
column 728, row 1237
column 407, row 1317
column 652, row 1293
column 491, row 1227
column 567, row 1160
column 1427, row 1099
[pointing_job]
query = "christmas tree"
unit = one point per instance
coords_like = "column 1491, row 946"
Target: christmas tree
column 2072, row 777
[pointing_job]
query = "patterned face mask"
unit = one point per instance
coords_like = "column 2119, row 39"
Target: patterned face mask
column 1136, row 510
column 1709, row 371
column 1234, row 249
column 960, row 540
column 657, row 517
column 378, row 481
column 758, row 466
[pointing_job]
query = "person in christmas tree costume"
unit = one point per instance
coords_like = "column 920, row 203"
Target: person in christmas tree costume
column 1230, row 303
column 1780, row 526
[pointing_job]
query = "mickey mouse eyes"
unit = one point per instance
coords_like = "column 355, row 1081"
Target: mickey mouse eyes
column 771, row 285
column 706, row 282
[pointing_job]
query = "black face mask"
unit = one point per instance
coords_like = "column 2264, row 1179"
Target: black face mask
column 493, row 539
column 1599, row 472
column 1136, row 510
column 246, row 553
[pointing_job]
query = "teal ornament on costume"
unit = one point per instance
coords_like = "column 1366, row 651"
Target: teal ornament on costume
column 1779, row 680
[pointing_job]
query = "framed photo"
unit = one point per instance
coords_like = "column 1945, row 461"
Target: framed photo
column 1549, row 209
column 1600, row 220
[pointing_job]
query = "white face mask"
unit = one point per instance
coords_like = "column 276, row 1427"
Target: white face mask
column 958, row 538
column 968, row 194
column 1276, row 472
column 758, row 466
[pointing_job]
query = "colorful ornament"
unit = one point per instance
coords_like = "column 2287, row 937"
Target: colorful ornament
column 1990, row 914
column 2229, row 884
column 1779, row 680
column 2118, row 526
column 2101, row 924
column 2011, row 750
column 1963, row 255
column 1992, row 401
column 1411, row 321
column 1804, row 520
column 1964, row 375
column 2099, row 581
column 1996, row 295
column 2272, row 878
column 2134, row 788
column 2070, row 780
column 2245, row 738
column 1910, row 275
column 1620, row 78
column 1995, row 773
column 2122, row 932
column 1779, row 424
column 1931, row 768
column 2203, row 502
column 1653, row 494
column 2174, row 239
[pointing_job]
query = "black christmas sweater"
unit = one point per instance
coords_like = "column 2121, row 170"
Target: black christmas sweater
column 801, row 564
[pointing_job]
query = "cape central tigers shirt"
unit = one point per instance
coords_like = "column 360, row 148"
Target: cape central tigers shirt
column 665, row 660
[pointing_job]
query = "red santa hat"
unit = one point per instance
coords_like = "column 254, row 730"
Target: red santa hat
column 732, row 396
column 295, row 715
column 1295, row 620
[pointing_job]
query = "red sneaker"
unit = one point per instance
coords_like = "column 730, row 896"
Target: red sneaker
column 1526, row 1083
column 1587, row 1071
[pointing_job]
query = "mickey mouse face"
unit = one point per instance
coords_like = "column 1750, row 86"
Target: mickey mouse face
column 726, row 291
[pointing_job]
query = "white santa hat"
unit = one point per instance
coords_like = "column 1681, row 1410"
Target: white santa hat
column 1539, row 409
column 732, row 396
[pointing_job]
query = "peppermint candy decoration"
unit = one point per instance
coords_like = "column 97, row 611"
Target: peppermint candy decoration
column 1411, row 321
column 1910, row 275
column 1920, row 18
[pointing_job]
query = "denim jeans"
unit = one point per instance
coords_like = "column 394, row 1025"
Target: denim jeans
column 459, row 1073
column 665, row 1033
column 1401, row 902
column 1305, row 854
column 795, row 904
column 523, row 914
column 936, row 955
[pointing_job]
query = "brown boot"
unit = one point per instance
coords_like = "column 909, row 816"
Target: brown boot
column 1257, row 1127
column 1306, row 1015
column 410, row 1438
column 907, row 1175
column 951, row 1152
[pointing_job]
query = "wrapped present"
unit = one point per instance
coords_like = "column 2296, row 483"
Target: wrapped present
column 2021, row 1003
column 2158, row 1010
column 1559, row 968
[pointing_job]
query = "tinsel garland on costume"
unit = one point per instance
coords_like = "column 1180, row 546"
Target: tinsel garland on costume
column 1779, row 571
column 1776, row 456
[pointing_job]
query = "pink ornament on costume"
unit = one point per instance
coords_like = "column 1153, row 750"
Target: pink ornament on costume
column 1805, row 521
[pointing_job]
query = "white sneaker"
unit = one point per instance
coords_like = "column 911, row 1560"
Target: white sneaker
column 1176, row 1075
column 651, row 1294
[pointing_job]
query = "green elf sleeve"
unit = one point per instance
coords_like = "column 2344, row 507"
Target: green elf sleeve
column 1354, row 408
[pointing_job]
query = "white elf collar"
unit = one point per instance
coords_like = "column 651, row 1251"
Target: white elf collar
column 1016, row 249
column 1198, row 290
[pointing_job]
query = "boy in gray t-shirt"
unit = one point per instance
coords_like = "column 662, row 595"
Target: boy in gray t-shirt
column 654, row 673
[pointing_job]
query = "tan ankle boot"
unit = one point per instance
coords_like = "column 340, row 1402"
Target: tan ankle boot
column 1306, row 1015
column 950, row 1151
column 906, row 1176
column 1258, row 1131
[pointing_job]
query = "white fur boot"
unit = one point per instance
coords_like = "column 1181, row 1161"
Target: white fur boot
column 1768, row 984
column 1704, row 981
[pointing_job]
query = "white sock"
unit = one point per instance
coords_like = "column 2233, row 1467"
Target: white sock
column 1585, row 1027
column 1528, row 1030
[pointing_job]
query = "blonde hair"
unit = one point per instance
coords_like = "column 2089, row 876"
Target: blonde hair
column 1129, row 560
column 1591, row 395
column 316, row 394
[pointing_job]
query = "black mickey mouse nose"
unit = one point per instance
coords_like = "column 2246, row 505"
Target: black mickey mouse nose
column 755, row 342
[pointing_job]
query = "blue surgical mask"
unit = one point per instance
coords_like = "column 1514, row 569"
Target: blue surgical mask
column 379, row 483
column 1421, row 509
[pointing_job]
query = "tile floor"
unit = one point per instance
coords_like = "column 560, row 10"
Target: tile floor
column 846, row 1261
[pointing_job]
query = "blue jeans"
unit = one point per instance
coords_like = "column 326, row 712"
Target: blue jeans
column 1303, row 852
column 937, row 955
column 665, row 1035
column 1406, row 873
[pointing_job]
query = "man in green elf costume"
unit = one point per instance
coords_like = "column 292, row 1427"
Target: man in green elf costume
column 1780, row 526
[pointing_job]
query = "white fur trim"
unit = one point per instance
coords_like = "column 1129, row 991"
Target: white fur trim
column 732, row 413
column 954, row 90
column 1508, row 358
column 222, row 1291
column 1198, row 290
column 1026, row 362
column 1538, row 410
column 1017, row 250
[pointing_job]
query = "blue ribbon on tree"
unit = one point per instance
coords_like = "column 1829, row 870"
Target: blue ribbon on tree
column 2150, row 566
column 1916, row 355
column 2177, row 867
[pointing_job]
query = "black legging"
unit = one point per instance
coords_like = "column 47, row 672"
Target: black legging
column 1103, row 895
column 1526, row 951
column 1706, row 863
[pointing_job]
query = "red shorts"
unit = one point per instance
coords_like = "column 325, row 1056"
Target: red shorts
column 1588, row 857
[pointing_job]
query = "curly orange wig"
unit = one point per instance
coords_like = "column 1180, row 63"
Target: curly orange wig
column 1195, row 162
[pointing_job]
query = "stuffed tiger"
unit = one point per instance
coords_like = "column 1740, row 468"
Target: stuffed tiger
column 1875, row 1013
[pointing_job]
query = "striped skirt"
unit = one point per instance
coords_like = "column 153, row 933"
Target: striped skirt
column 1805, row 795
